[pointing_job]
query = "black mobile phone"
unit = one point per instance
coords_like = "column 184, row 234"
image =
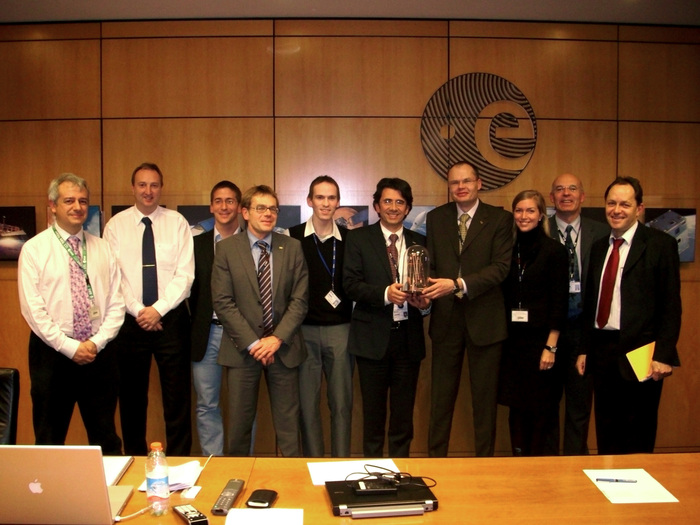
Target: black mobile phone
column 262, row 498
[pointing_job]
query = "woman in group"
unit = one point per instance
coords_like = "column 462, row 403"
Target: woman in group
column 536, row 292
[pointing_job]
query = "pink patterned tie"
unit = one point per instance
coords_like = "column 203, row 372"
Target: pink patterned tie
column 82, row 327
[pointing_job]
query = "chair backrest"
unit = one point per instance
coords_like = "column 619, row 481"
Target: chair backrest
column 9, row 405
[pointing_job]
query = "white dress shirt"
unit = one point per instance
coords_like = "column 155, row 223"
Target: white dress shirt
column 615, row 305
column 45, row 292
column 174, row 256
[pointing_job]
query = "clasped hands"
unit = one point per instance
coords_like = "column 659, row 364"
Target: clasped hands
column 264, row 350
column 397, row 296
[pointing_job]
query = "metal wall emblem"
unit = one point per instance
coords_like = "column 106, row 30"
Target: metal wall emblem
column 483, row 119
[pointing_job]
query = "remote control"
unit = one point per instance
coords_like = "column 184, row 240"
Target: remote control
column 227, row 497
column 191, row 515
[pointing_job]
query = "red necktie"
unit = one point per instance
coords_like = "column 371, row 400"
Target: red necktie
column 606, row 291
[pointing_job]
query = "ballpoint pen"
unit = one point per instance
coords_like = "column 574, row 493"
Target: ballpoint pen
column 616, row 480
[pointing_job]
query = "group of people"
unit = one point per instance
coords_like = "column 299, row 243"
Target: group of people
column 541, row 307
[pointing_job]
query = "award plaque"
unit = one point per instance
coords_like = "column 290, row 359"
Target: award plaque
column 416, row 269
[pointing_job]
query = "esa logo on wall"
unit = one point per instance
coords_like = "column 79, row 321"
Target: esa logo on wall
column 483, row 119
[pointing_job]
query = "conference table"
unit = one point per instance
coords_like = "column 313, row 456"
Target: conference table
column 469, row 490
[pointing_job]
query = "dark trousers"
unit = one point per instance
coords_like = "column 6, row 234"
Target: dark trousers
column 170, row 348
column 484, row 363
column 578, row 392
column 529, row 430
column 57, row 384
column 394, row 376
column 626, row 411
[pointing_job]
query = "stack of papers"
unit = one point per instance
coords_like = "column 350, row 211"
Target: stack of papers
column 181, row 477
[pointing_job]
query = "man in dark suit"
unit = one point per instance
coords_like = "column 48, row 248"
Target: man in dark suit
column 261, row 320
column 386, row 330
column 632, row 299
column 470, row 245
column 206, row 333
column 577, row 234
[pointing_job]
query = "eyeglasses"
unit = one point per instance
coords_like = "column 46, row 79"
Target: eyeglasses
column 463, row 181
column 573, row 188
column 274, row 210
column 229, row 202
column 398, row 202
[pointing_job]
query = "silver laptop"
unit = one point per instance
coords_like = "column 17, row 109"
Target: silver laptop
column 57, row 485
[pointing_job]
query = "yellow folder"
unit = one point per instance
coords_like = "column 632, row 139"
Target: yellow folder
column 640, row 359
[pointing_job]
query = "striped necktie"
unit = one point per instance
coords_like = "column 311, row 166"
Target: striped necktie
column 265, row 284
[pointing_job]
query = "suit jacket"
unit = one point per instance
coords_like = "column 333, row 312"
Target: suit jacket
column 650, row 295
column 366, row 275
column 590, row 232
column 236, row 298
column 201, row 308
column 484, row 261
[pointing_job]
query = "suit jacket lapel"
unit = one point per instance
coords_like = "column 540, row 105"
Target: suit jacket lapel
column 245, row 254
column 278, row 254
column 378, row 244
column 639, row 245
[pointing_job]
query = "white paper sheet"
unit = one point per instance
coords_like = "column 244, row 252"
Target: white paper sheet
column 645, row 490
column 265, row 517
column 339, row 470
column 115, row 467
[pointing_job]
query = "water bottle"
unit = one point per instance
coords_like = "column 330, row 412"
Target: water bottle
column 157, row 487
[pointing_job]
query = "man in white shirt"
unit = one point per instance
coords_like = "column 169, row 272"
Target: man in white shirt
column 157, row 322
column 69, row 295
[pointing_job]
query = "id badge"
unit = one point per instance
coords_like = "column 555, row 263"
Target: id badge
column 400, row 312
column 574, row 287
column 94, row 312
column 332, row 299
column 518, row 316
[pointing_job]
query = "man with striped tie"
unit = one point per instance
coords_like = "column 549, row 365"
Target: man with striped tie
column 260, row 288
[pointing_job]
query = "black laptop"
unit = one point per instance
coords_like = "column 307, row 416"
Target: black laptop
column 411, row 498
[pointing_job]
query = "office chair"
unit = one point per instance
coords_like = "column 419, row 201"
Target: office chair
column 9, row 405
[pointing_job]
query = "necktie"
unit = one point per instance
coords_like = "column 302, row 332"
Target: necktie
column 149, row 274
column 265, row 284
column 606, row 290
column 393, row 257
column 82, row 328
column 574, row 274
column 463, row 229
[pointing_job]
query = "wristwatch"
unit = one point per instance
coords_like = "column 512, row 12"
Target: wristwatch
column 552, row 349
column 457, row 287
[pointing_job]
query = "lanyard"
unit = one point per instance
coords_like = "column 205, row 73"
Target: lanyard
column 521, row 272
column 330, row 272
column 572, row 252
column 81, row 264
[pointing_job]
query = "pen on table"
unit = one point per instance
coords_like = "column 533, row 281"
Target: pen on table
column 616, row 480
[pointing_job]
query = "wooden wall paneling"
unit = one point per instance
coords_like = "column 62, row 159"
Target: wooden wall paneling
column 186, row 28
column 35, row 152
column 357, row 152
column 67, row 31
column 585, row 148
column 49, row 79
column 562, row 79
column 317, row 27
column 659, row 82
column 679, row 424
column 357, row 76
column 668, row 34
column 540, row 30
column 194, row 154
column 187, row 77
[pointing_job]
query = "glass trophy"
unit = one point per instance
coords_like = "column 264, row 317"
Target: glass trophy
column 416, row 269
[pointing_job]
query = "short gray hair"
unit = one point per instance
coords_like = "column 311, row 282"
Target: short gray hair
column 66, row 177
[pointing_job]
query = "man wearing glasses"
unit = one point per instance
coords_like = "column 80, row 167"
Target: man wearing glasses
column 260, row 288
column 470, row 245
column 577, row 234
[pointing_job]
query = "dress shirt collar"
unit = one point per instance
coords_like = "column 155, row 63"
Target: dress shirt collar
column 628, row 235
column 252, row 239
column 64, row 234
column 386, row 234
column 471, row 211
column 153, row 216
column 561, row 225
column 309, row 230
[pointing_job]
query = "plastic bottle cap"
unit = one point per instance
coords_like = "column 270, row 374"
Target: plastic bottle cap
column 156, row 445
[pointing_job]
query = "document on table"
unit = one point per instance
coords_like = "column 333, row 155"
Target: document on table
column 181, row 476
column 265, row 517
column 631, row 485
column 339, row 470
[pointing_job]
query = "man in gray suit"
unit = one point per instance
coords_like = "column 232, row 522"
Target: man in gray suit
column 577, row 234
column 261, row 320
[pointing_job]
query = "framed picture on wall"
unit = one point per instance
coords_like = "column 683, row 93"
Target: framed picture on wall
column 18, row 224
